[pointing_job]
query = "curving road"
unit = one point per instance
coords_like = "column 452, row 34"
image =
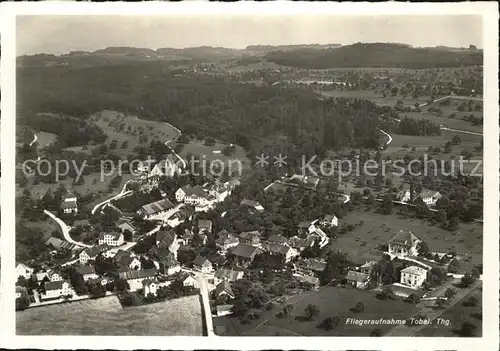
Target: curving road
column 122, row 193
column 388, row 136
column 65, row 229
column 35, row 138
column 184, row 164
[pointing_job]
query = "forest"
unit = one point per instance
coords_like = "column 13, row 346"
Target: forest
column 202, row 106
column 376, row 55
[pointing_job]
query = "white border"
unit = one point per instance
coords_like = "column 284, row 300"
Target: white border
column 489, row 12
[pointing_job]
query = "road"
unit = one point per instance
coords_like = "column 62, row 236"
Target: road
column 184, row 164
column 427, row 308
column 35, row 138
column 456, row 97
column 460, row 131
column 65, row 229
column 205, row 299
column 122, row 193
column 388, row 135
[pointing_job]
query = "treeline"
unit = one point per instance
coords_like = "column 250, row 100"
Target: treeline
column 69, row 131
column 411, row 126
column 376, row 55
column 200, row 105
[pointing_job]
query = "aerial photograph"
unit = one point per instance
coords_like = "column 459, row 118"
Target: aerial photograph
column 298, row 175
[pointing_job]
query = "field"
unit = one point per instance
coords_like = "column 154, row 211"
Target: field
column 45, row 139
column 105, row 316
column 376, row 97
column 133, row 129
column 197, row 148
column 331, row 301
column 378, row 228
column 457, row 315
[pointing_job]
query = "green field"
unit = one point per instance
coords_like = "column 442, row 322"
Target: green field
column 457, row 315
column 378, row 229
column 331, row 301
column 105, row 316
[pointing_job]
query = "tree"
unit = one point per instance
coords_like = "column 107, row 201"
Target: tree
column 413, row 298
column 456, row 140
column 423, row 249
column 450, row 293
column 467, row 280
column 467, row 329
column 121, row 285
column 440, row 302
column 394, row 91
column 360, row 307
column 453, row 266
column 311, row 311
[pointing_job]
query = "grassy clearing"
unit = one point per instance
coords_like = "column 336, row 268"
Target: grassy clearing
column 105, row 316
column 457, row 315
column 335, row 301
column 151, row 129
column 197, row 148
column 376, row 97
column 377, row 229
column 45, row 139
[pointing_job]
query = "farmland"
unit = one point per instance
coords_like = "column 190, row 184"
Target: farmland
column 331, row 301
column 105, row 316
column 377, row 229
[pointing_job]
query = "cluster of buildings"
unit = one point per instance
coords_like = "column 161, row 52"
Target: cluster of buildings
column 429, row 197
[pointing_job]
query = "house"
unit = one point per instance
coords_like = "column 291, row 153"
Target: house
column 404, row 243
column 277, row 239
column 309, row 267
column 300, row 244
column 310, row 282
column 111, row 239
column 57, row 289
column 98, row 281
column 157, row 209
column 68, row 203
column 303, row 179
column 329, row 220
column 204, row 226
column 226, row 274
column 150, row 286
column 219, row 191
column 60, row 245
column 307, row 227
column 125, row 260
column 189, row 280
column 202, row 264
column 124, row 225
column 194, row 195
column 183, row 214
column 135, row 278
column 167, row 239
column 429, row 197
column 250, row 238
column 24, row 271
column 413, row 276
column 358, row 280
column 225, row 240
column 54, row 276
column 224, row 310
column 244, row 254
column 404, row 195
column 253, row 204
column 91, row 253
column 285, row 251
column 223, row 289
column 87, row 272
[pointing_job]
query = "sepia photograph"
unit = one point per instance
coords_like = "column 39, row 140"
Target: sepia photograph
column 246, row 175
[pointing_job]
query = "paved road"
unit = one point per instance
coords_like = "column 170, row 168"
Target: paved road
column 460, row 131
column 35, row 138
column 427, row 308
column 65, row 229
column 122, row 193
column 206, row 305
column 388, row 135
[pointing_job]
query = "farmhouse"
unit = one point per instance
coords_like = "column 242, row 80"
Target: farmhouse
column 124, row 225
column 223, row 289
column 156, row 209
column 168, row 264
column 413, row 276
column 56, row 289
column 367, row 268
column 151, row 286
column 87, row 272
column 194, row 195
column 300, row 244
column 135, row 278
column 330, row 220
column 277, row 239
column 24, row 271
column 404, row 243
column 125, row 260
column 226, row 274
column 201, row 264
column 111, row 239
column 204, row 226
column 281, row 250
column 225, row 240
column 184, row 213
column 358, row 280
column 305, row 180
column 307, row 227
column 91, row 253
column 167, row 239
column 309, row 282
column 309, row 267
column 68, row 203
column 245, row 254
column 250, row 238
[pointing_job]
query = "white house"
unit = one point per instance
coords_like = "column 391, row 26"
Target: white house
column 189, row 280
column 404, row 243
column 191, row 194
column 135, row 278
column 226, row 240
column 69, row 203
column 111, row 239
column 125, row 259
column 88, row 272
column 24, row 271
column 251, row 203
column 54, row 276
column 91, row 253
column 202, row 264
column 57, row 289
column 287, row 252
column 330, row 220
column 226, row 274
column 429, row 197
column 413, row 276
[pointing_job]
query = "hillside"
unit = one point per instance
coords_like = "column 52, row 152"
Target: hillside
column 376, row 55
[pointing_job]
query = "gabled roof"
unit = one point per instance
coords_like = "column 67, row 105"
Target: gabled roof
column 224, row 287
column 414, row 270
column 25, row 267
column 404, row 237
column 85, row 269
column 204, row 224
column 132, row 274
column 309, row 280
column 251, row 203
column 329, row 218
column 166, row 237
column 58, row 244
column 115, row 235
column 69, row 204
column 96, row 250
column 228, row 274
column 357, row 276
column 428, row 193
column 277, row 239
column 57, row 285
column 194, row 191
column 157, row 206
column 201, row 261
column 250, row 235
column 148, row 282
column 245, row 250
column 277, row 248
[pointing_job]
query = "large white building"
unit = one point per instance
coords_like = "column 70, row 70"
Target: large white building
column 68, row 203
column 413, row 276
column 404, row 243
column 111, row 239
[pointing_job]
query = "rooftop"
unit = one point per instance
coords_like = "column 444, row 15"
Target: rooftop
column 157, row 206
column 404, row 237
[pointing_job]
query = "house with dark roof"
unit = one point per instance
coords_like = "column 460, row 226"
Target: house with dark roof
column 225, row 240
column 277, row 239
column 57, row 289
column 300, row 244
column 404, row 243
column 250, row 238
column 157, row 209
column 135, row 278
column 204, row 226
column 227, row 274
column 59, row 244
column 91, row 253
column 183, row 214
column 329, row 220
column 203, row 265
column 309, row 266
column 223, row 289
column 124, row 225
column 167, row 239
column 125, row 260
column 244, row 254
column 253, row 204
column 358, row 280
column 191, row 194
column 309, row 282
column 87, row 272
column 285, row 251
